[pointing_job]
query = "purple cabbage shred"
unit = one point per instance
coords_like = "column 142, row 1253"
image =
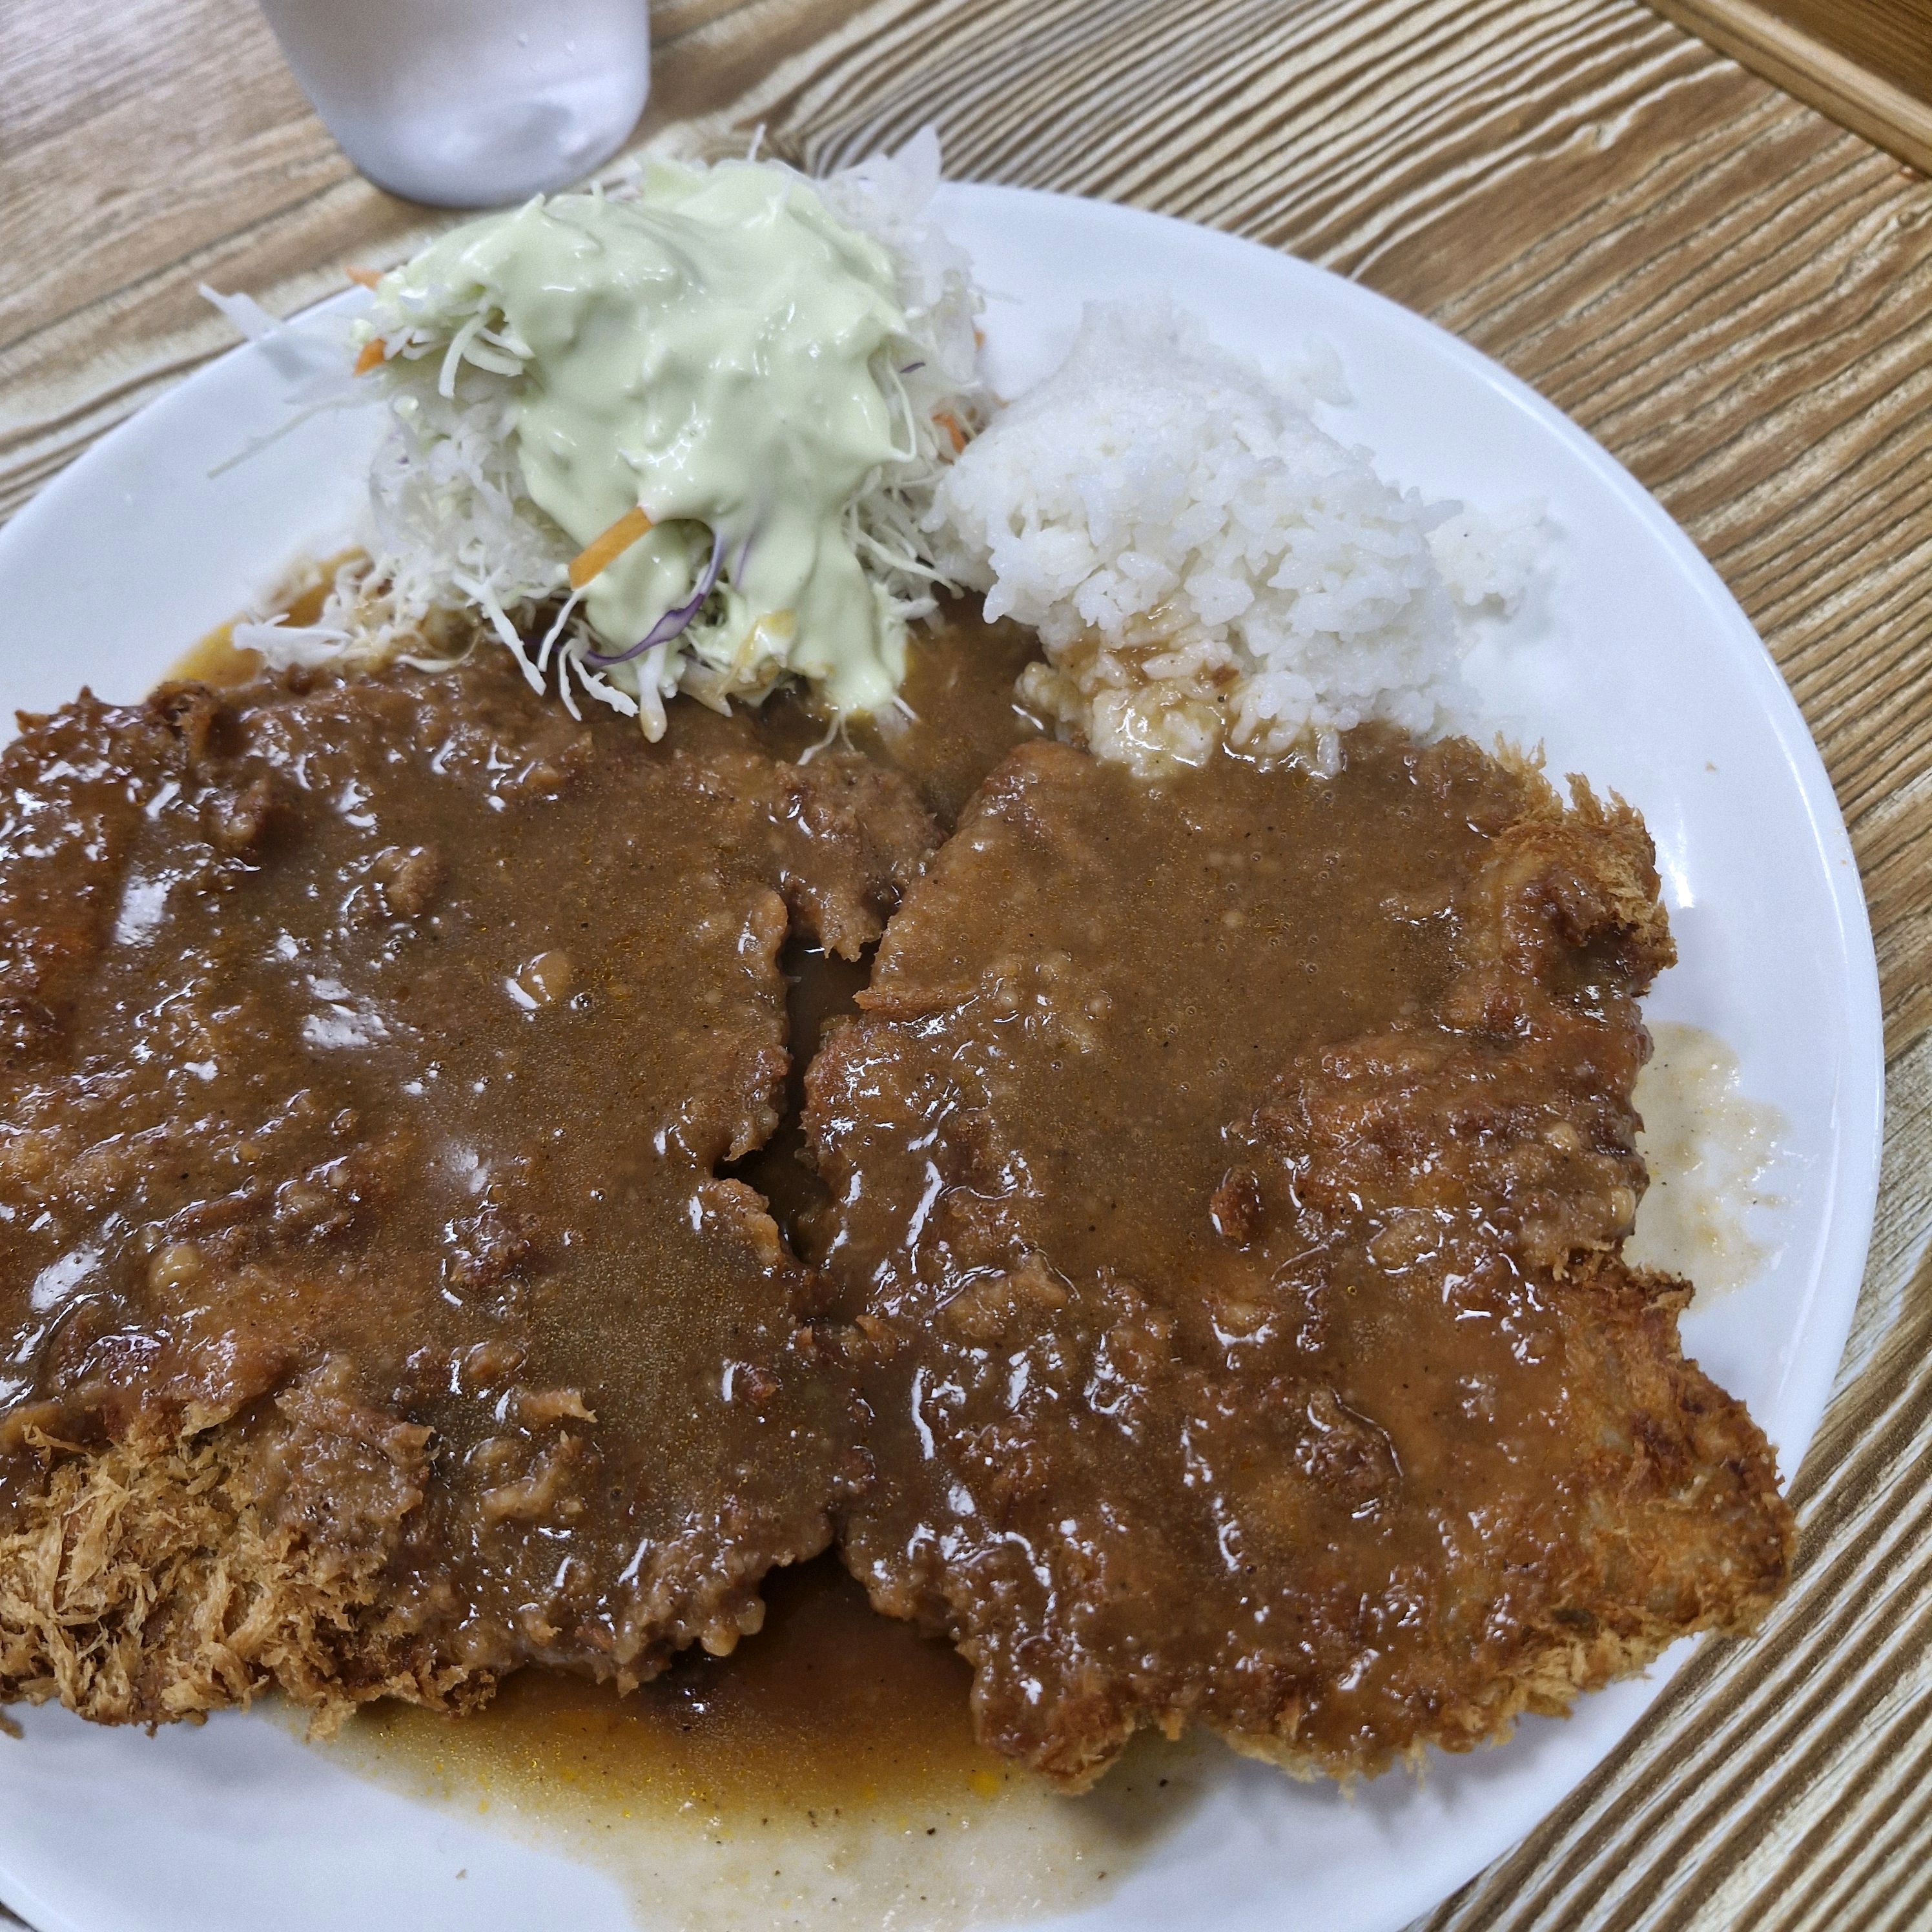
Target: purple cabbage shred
column 672, row 623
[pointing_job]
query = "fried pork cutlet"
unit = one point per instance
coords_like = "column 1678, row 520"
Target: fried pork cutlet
column 1229, row 1180
column 377, row 1317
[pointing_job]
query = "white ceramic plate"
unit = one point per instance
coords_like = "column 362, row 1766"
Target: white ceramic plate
column 1634, row 665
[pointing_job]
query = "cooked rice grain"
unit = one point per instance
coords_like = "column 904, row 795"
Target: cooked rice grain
column 1205, row 564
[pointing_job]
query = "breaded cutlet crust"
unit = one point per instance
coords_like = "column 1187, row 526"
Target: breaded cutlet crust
column 379, row 1314
column 1230, row 1182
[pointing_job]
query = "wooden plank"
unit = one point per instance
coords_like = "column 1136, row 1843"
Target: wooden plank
column 1733, row 294
column 1866, row 63
column 1892, row 38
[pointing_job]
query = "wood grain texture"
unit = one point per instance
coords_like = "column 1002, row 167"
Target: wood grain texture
column 1731, row 292
column 1866, row 63
column 1890, row 37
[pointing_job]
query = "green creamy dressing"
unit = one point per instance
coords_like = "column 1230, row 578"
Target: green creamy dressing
column 706, row 352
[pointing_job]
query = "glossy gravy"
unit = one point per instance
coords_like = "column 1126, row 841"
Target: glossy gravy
column 832, row 1710
column 827, row 1772
column 825, row 1775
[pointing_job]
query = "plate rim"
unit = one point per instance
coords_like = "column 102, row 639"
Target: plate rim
column 1859, row 1096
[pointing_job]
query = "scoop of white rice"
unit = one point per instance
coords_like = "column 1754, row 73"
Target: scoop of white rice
column 1203, row 564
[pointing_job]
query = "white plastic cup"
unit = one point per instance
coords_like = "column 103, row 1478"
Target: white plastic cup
column 471, row 103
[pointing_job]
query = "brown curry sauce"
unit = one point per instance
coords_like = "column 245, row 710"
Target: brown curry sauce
column 1312, row 915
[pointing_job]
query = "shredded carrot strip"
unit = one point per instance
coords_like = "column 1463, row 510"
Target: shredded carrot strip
column 605, row 549
column 368, row 278
column 372, row 354
column 948, row 422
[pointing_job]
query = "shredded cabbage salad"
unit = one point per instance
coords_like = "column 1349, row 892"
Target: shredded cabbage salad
column 625, row 522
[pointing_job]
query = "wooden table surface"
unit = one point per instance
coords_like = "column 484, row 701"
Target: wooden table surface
column 1866, row 63
column 1729, row 291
